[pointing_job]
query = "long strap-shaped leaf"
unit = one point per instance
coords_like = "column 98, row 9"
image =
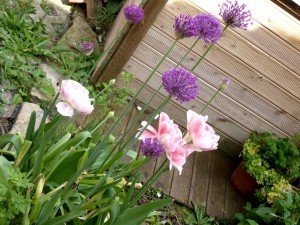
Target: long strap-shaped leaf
column 136, row 215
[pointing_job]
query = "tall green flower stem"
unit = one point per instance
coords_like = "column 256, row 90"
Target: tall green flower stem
column 149, row 183
column 136, row 95
column 205, row 53
column 152, row 116
column 189, row 50
column 210, row 100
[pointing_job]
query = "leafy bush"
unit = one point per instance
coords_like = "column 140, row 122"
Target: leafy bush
column 273, row 162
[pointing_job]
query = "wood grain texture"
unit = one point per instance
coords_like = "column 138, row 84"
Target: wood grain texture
column 216, row 196
column 181, row 184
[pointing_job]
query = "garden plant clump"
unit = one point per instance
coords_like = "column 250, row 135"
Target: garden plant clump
column 58, row 173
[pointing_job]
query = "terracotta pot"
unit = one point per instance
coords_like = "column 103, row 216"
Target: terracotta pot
column 243, row 182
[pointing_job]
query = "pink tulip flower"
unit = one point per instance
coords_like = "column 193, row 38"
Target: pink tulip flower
column 177, row 156
column 168, row 132
column 75, row 97
column 170, row 136
column 203, row 135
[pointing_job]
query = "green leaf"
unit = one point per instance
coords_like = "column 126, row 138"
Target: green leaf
column 65, row 218
column 17, row 99
column 25, row 147
column 5, row 139
column 55, row 149
column 264, row 213
column 66, row 167
column 136, row 215
column 5, row 166
column 251, row 222
column 30, row 127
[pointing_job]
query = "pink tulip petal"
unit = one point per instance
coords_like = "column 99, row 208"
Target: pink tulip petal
column 65, row 109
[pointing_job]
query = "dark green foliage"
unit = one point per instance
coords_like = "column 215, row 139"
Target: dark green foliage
column 105, row 16
column 198, row 216
column 279, row 153
column 13, row 196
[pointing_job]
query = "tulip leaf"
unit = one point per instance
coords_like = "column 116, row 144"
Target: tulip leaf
column 66, row 167
column 136, row 215
column 5, row 139
column 5, row 166
column 30, row 128
column 65, row 218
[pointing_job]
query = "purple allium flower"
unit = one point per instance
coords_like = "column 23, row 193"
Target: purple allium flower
column 180, row 84
column 87, row 47
column 235, row 15
column 184, row 26
column 133, row 13
column 226, row 80
column 152, row 147
column 207, row 27
column 225, row 83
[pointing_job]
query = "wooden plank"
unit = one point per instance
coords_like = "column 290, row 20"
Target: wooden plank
column 266, row 14
column 120, row 22
column 233, row 201
column 181, row 184
column 200, row 178
column 165, row 180
column 226, row 65
column 217, row 186
column 245, row 51
column 129, row 43
column 224, row 103
column 259, row 36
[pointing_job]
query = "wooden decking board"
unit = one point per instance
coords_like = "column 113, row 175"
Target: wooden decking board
column 240, row 71
column 283, row 52
column 200, row 178
column 217, row 186
column 223, row 102
column 164, row 183
column 233, row 201
column 181, row 184
column 271, row 19
column 246, row 52
column 247, row 77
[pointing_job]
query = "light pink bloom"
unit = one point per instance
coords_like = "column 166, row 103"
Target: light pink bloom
column 177, row 156
column 74, row 96
column 170, row 136
column 203, row 135
column 168, row 132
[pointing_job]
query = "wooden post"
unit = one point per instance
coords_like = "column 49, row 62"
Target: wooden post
column 121, row 55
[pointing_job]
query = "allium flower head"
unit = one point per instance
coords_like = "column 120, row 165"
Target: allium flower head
column 184, row 26
column 152, row 147
column 87, row 47
column 207, row 27
column 226, row 81
column 133, row 13
column 180, row 84
column 235, row 15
